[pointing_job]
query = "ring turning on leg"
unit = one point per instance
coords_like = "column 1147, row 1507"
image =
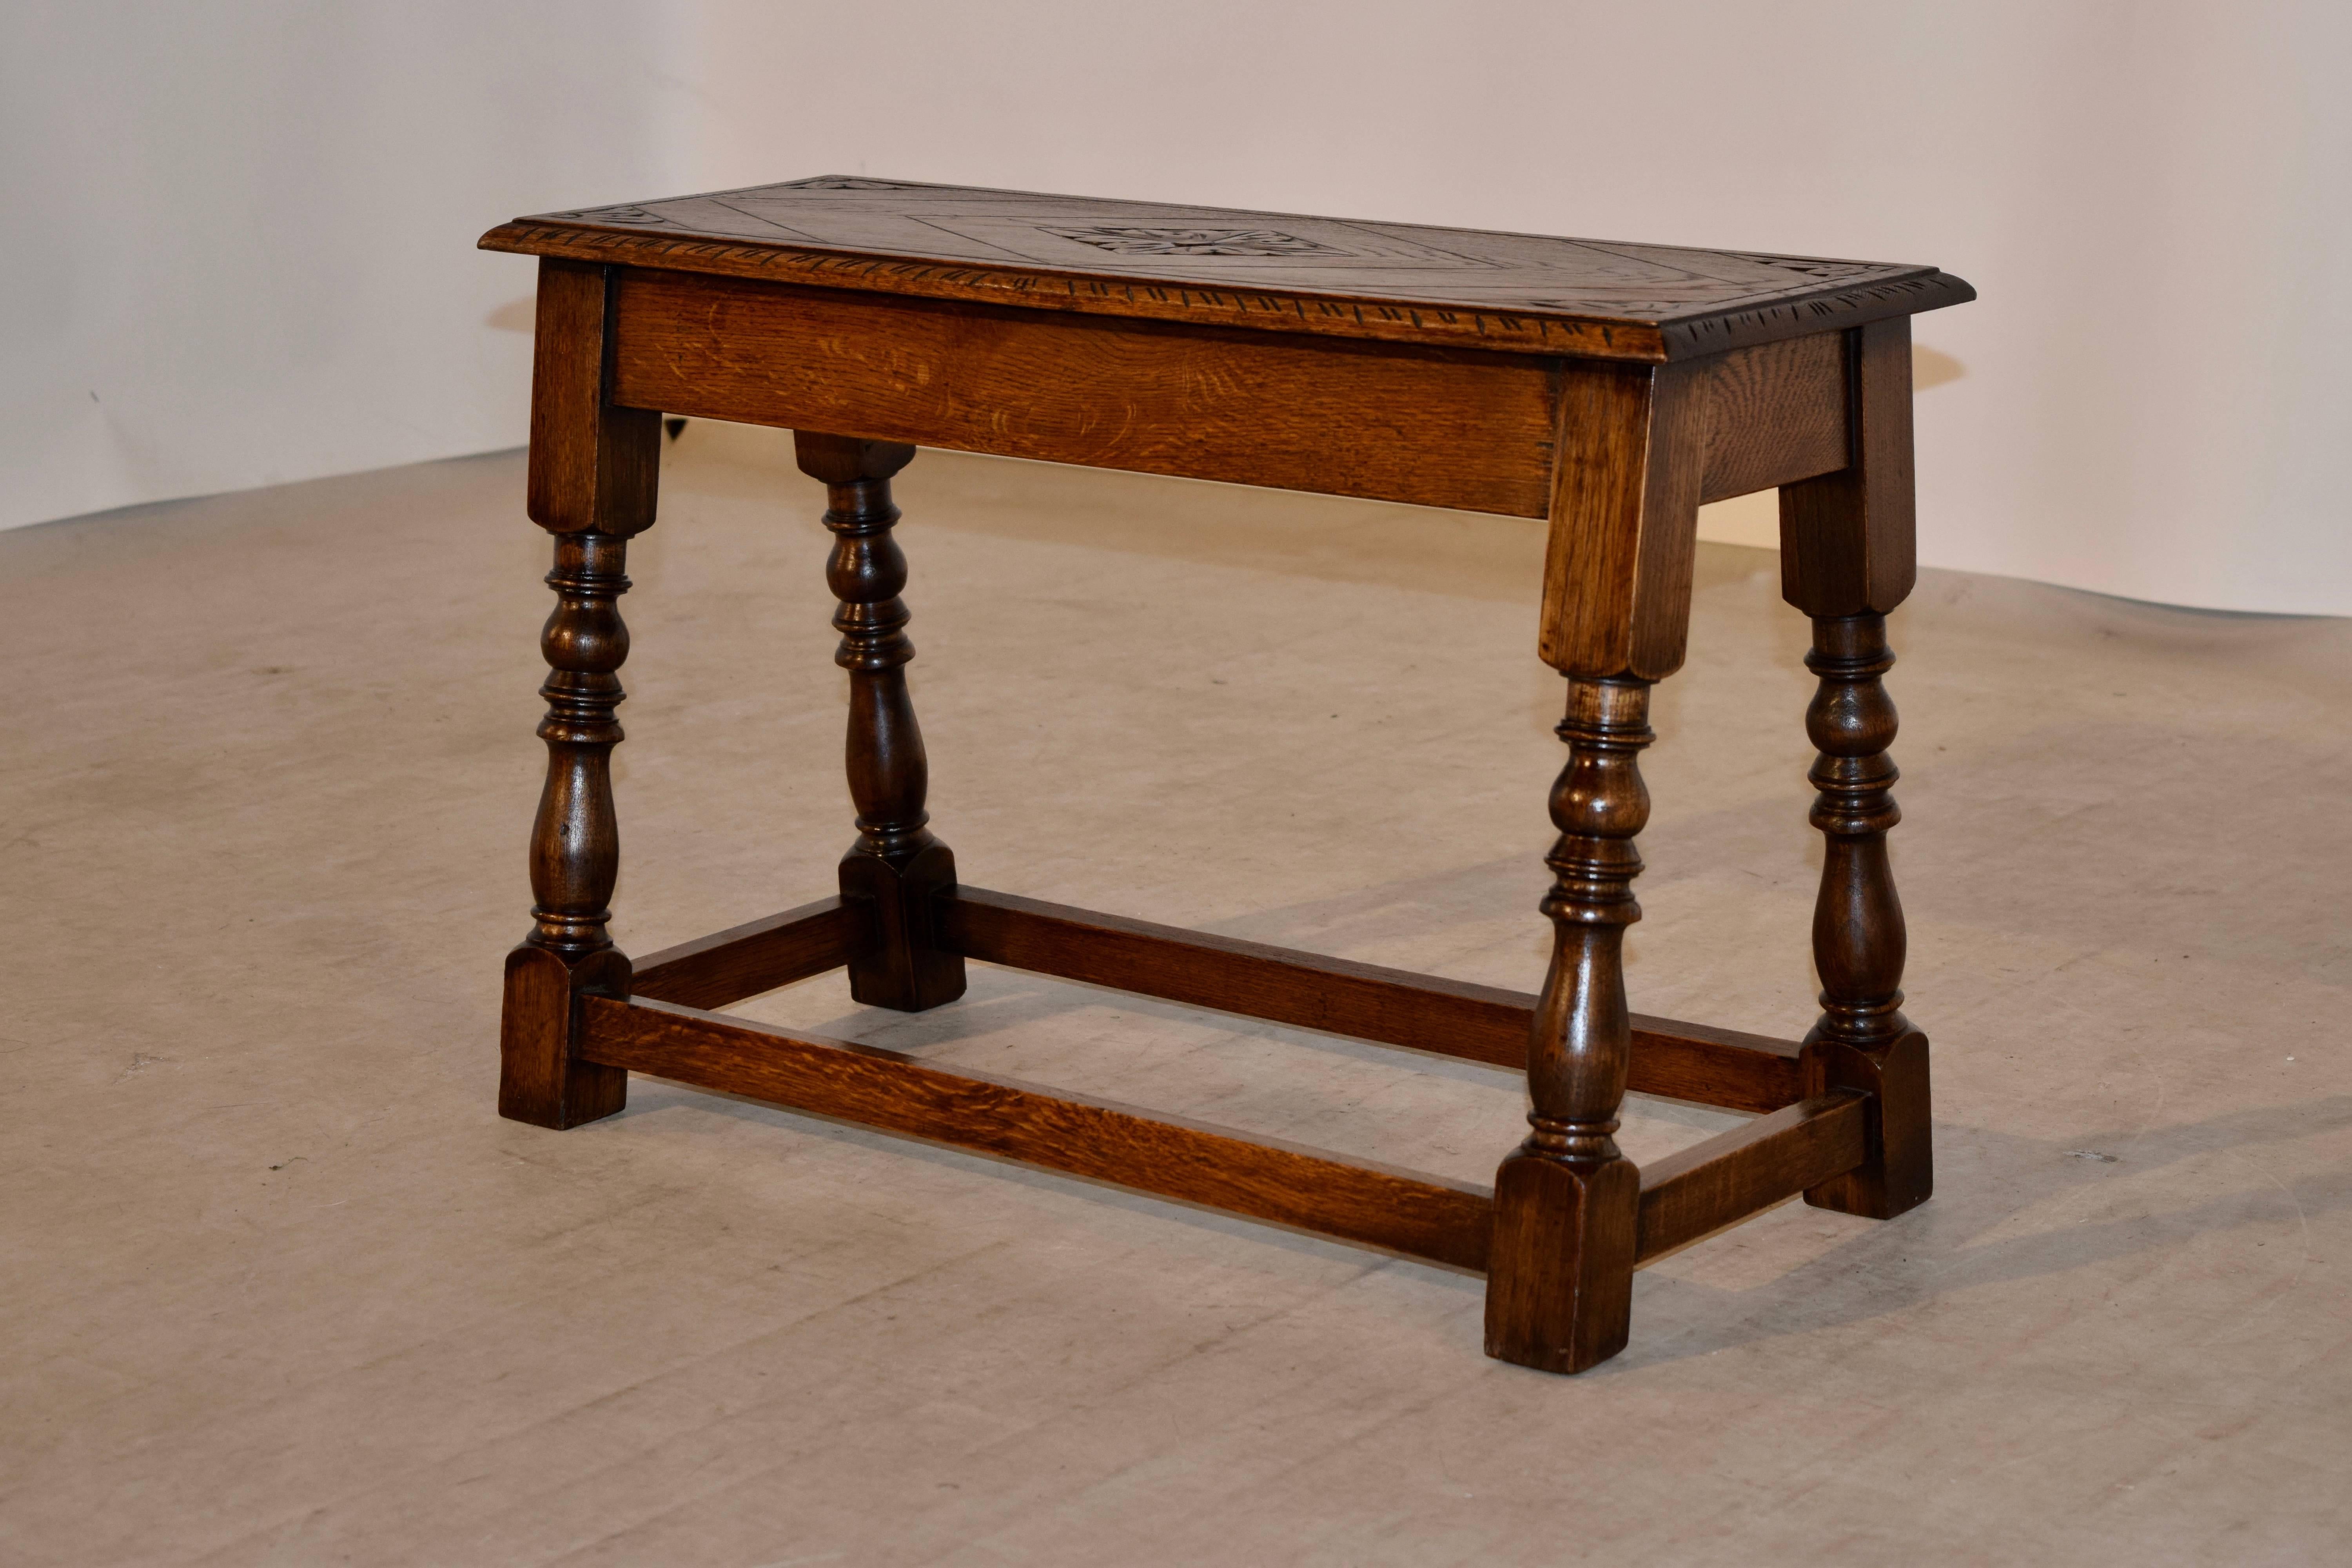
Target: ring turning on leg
column 1560, row 1279
column 897, row 866
column 575, row 850
column 1862, row 1041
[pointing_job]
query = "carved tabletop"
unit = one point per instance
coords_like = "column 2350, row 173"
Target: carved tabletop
column 1216, row 266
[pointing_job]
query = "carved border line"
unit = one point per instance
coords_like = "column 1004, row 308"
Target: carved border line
column 1331, row 315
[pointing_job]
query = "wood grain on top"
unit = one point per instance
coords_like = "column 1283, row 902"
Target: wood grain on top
column 1211, row 266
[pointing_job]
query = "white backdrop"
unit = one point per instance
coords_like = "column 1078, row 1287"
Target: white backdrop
column 238, row 232
column 247, row 230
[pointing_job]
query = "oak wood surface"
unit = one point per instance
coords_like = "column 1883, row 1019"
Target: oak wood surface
column 1611, row 389
column 1624, row 520
column 1210, row 266
column 1681, row 1198
column 576, row 844
column 1775, row 414
column 1580, row 1039
column 755, row 957
column 592, row 478
column 1862, row 1039
column 1859, row 938
column 897, row 862
column 1361, row 1001
column 1452, row 428
column 1423, row 1216
column 1848, row 538
column 543, row 1078
column 1737, row 1174
column 1641, row 449
column 1560, row 1268
column 595, row 466
column 1561, row 1272
column 575, row 856
column 1897, row 1172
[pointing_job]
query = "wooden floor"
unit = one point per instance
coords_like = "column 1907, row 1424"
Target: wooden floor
column 280, row 1288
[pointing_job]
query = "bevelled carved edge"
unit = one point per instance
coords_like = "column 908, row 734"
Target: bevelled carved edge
column 1041, row 288
column 1834, row 310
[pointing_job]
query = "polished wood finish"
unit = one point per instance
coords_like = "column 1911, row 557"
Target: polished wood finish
column 1734, row 1174
column 1212, row 267
column 1679, row 1199
column 1862, row 1041
column 1897, row 1173
column 1363, row 1001
column 1625, row 521
column 575, row 845
column 897, row 863
column 1846, row 559
column 1847, row 536
column 1422, row 1216
column 1445, row 427
column 1775, row 413
column 592, row 483
column 542, row 1078
column 1610, row 389
column 1561, row 1285
column 575, row 849
column 595, row 465
column 1624, row 510
column 1455, row 428
column 757, row 957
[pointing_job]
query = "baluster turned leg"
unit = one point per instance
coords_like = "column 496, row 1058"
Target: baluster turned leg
column 897, row 866
column 1848, row 557
column 1559, row 1284
column 595, row 475
column 1616, row 613
column 576, row 851
column 1862, row 1040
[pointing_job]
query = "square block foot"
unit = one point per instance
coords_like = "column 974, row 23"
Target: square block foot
column 1560, row 1273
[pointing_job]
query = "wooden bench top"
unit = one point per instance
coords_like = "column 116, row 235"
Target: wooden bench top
column 1221, row 267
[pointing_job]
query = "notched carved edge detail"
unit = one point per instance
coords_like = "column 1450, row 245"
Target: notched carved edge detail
column 1851, row 307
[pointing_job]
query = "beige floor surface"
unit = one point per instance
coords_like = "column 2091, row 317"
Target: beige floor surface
column 280, row 1288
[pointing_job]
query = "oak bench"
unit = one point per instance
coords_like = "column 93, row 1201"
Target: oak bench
column 1608, row 389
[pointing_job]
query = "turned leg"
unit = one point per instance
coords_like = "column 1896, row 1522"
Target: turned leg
column 1617, row 588
column 1862, row 1040
column 896, row 866
column 593, row 474
column 575, row 852
column 1560, row 1288
column 1847, row 559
